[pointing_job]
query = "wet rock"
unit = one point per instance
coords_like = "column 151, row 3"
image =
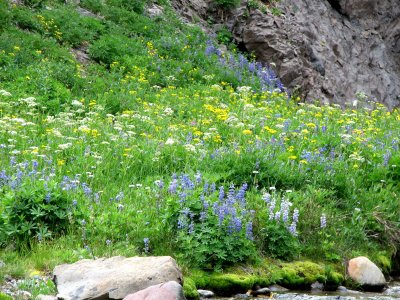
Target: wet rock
column 241, row 296
column 205, row 294
column 366, row 273
column 115, row 277
column 317, row 287
column 261, row 292
column 165, row 291
column 393, row 291
column 278, row 289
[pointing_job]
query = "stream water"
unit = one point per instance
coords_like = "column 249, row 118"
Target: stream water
column 392, row 292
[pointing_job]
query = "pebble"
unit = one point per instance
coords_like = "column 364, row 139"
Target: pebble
column 205, row 294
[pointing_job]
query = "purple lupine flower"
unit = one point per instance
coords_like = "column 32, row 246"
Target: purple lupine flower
column 213, row 188
column 191, row 228
column 74, row 203
column 198, row 177
column 267, row 198
column 221, row 193
column 186, row 183
column 249, row 230
column 160, row 184
column 237, row 224
column 277, row 216
column 386, row 157
column 296, row 215
column 292, row 229
column 146, row 242
column 86, row 189
column 182, row 197
column 323, row 221
column 119, row 196
column 173, row 186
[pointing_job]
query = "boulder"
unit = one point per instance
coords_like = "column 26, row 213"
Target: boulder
column 366, row 273
column 334, row 51
column 170, row 290
column 115, row 277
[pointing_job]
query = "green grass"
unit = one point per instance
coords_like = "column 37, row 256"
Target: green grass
column 156, row 99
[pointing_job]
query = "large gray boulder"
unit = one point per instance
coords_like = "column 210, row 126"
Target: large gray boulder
column 326, row 50
column 366, row 273
column 164, row 291
column 113, row 278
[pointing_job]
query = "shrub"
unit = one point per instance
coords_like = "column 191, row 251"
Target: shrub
column 214, row 228
column 227, row 4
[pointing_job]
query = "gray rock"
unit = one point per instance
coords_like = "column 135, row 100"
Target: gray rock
column 155, row 11
column 326, row 50
column 114, row 277
column 261, row 291
column 317, row 287
column 166, row 291
column 45, row 297
column 366, row 273
column 241, row 296
column 205, row 294
column 393, row 291
column 278, row 289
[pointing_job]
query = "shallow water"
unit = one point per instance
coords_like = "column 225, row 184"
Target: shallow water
column 393, row 292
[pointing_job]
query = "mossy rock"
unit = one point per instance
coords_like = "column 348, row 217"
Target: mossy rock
column 189, row 289
column 225, row 284
column 5, row 297
column 301, row 274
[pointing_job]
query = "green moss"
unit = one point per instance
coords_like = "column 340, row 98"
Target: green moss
column 4, row 297
column 189, row 289
column 302, row 274
column 225, row 284
column 383, row 262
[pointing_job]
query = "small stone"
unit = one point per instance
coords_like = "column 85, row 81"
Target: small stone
column 205, row 294
column 262, row 291
column 277, row 288
column 155, row 11
column 393, row 291
column 241, row 296
column 342, row 289
column 24, row 295
column 2, row 264
column 317, row 286
column 45, row 297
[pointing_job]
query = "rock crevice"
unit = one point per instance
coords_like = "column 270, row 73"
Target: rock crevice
column 326, row 50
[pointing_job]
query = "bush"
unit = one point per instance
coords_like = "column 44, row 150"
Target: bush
column 214, row 229
column 227, row 4
column 4, row 15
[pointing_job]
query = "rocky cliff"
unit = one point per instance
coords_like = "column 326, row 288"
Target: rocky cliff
column 328, row 50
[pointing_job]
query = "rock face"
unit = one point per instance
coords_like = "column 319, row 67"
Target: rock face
column 366, row 273
column 165, row 291
column 115, row 277
column 326, row 50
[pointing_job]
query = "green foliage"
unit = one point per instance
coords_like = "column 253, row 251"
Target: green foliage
column 111, row 48
column 227, row 4
column 38, row 286
column 224, row 36
column 5, row 297
column 4, row 15
column 276, row 241
column 136, row 6
column 189, row 289
column 38, row 211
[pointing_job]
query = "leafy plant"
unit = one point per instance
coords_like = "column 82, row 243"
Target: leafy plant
column 224, row 36
column 214, row 229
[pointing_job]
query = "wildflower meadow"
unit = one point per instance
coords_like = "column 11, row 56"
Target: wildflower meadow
column 160, row 143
